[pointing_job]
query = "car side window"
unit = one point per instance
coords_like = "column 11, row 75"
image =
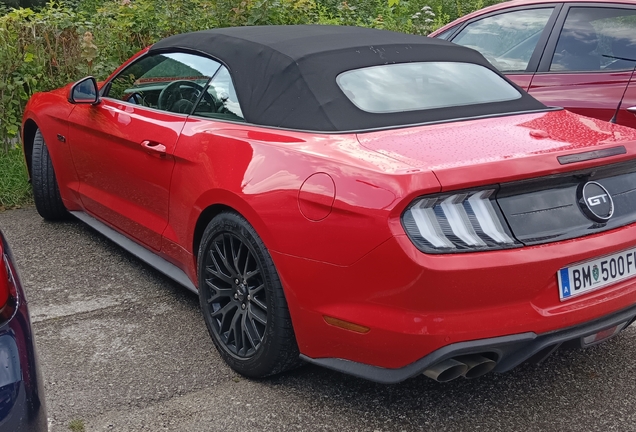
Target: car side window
column 219, row 100
column 169, row 82
column 507, row 40
column 596, row 39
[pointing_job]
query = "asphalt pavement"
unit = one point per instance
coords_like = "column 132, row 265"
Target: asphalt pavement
column 124, row 348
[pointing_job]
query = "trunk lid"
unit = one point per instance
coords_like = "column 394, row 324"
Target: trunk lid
column 494, row 150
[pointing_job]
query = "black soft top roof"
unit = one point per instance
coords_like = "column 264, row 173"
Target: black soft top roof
column 285, row 76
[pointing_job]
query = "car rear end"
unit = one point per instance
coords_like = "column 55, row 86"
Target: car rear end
column 22, row 406
column 529, row 245
column 530, row 263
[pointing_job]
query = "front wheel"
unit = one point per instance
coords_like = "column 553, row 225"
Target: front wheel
column 46, row 192
column 242, row 299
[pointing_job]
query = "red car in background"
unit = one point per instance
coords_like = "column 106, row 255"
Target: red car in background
column 579, row 55
column 381, row 204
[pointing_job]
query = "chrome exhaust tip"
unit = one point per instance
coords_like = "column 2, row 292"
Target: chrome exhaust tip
column 446, row 370
column 477, row 365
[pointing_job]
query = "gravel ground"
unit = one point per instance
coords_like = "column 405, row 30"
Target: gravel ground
column 123, row 348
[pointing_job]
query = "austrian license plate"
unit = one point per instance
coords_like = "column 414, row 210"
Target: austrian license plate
column 590, row 275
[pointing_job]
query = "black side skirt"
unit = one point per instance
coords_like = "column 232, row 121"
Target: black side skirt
column 147, row 256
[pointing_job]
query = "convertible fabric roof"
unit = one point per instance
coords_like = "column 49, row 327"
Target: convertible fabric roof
column 285, row 76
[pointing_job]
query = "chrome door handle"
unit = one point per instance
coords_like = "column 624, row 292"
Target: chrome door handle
column 632, row 109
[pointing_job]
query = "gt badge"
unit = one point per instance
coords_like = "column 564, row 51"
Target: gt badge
column 595, row 202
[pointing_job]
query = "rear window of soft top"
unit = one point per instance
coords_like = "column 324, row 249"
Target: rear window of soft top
column 423, row 85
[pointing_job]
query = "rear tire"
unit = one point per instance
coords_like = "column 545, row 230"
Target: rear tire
column 242, row 299
column 46, row 193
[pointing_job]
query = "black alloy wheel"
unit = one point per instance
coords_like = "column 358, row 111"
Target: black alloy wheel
column 242, row 299
column 237, row 299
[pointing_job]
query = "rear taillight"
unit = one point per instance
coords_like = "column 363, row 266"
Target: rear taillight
column 8, row 287
column 5, row 280
column 460, row 222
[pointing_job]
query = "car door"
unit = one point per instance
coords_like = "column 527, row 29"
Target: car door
column 512, row 39
column 123, row 147
column 586, row 66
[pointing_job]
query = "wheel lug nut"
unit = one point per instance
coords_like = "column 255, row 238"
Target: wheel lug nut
column 243, row 306
column 236, row 281
column 235, row 296
column 249, row 297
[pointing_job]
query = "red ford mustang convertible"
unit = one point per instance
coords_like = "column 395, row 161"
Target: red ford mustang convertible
column 381, row 204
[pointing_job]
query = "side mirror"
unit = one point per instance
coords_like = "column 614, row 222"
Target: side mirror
column 84, row 92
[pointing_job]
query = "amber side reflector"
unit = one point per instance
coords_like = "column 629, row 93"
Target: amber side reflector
column 345, row 324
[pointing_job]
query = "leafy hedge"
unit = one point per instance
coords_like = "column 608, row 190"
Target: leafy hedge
column 67, row 39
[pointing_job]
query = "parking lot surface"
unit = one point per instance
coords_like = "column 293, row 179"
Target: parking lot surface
column 123, row 348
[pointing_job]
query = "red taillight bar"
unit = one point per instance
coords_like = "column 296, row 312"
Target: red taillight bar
column 4, row 277
column 8, row 288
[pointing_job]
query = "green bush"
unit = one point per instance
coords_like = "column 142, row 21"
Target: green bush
column 38, row 51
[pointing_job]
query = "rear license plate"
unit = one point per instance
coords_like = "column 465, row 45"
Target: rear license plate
column 582, row 278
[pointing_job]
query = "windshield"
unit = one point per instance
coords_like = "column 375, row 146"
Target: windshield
column 423, row 85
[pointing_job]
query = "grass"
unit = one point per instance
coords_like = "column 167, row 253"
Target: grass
column 15, row 189
column 76, row 425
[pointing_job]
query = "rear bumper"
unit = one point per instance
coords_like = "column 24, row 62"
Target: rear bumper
column 416, row 304
column 510, row 351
